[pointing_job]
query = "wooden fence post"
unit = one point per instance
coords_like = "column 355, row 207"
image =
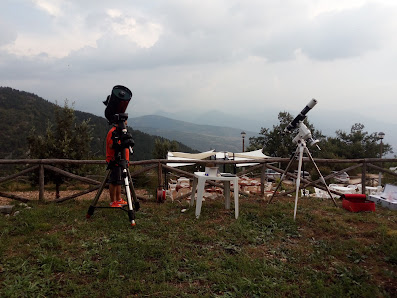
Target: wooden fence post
column 160, row 174
column 263, row 175
column 363, row 178
column 41, row 183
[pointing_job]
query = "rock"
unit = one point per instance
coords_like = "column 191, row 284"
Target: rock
column 6, row 209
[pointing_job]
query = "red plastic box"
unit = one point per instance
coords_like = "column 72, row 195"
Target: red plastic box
column 357, row 203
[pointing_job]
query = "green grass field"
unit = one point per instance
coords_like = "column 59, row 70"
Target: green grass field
column 54, row 251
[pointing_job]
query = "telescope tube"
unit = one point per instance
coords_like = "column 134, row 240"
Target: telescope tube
column 117, row 102
column 301, row 116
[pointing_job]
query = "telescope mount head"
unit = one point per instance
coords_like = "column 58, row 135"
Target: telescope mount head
column 304, row 136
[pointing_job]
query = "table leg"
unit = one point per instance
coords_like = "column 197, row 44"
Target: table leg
column 194, row 187
column 200, row 192
column 236, row 211
column 226, row 193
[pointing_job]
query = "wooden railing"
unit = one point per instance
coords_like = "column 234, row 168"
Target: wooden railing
column 42, row 165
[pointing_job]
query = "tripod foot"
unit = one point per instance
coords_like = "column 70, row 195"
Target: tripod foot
column 137, row 205
column 90, row 211
column 131, row 216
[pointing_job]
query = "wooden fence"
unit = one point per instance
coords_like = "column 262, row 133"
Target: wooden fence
column 41, row 165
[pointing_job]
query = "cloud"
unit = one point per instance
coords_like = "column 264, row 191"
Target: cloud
column 329, row 35
column 69, row 29
column 345, row 34
column 176, row 33
column 197, row 54
column 52, row 7
column 143, row 32
column 8, row 33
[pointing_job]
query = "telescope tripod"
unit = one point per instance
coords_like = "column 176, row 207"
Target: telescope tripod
column 301, row 148
column 132, row 200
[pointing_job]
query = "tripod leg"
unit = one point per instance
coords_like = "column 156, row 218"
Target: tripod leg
column 131, row 212
column 132, row 189
column 283, row 175
column 91, row 209
column 298, row 179
column 321, row 176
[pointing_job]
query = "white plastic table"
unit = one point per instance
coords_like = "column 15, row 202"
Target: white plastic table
column 199, row 184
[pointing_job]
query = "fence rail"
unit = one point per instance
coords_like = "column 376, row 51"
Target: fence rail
column 42, row 165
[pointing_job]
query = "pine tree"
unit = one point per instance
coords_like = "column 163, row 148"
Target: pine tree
column 65, row 139
column 162, row 146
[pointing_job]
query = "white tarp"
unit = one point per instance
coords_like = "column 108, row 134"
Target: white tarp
column 187, row 157
column 251, row 155
column 256, row 154
column 201, row 155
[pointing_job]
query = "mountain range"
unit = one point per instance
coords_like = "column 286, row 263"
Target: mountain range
column 195, row 131
column 202, row 137
column 21, row 111
column 325, row 120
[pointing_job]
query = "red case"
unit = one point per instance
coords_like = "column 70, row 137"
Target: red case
column 357, row 203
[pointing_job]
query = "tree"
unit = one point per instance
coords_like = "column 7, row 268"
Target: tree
column 276, row 142
column 356, row 144
column 64, row 140
column 162, row 146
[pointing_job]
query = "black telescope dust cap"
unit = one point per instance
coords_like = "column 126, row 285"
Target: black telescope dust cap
column 117, row 102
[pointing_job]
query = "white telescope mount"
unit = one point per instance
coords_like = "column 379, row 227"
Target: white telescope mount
column 303, row 137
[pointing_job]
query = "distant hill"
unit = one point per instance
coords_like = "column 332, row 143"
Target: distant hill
column 21, row 111
column 247, row 122
column 200, row 137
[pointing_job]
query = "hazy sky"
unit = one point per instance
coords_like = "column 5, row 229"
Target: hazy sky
column 239, row 56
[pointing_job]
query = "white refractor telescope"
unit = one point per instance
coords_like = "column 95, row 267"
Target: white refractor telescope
column 301, row 116
column 304, row 133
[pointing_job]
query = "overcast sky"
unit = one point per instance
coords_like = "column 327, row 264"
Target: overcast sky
column 237, row 56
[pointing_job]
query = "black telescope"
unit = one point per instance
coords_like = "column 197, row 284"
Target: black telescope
column 302, row 115
column 117, row 102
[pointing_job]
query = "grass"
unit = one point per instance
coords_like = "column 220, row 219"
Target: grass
column 53, row 250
